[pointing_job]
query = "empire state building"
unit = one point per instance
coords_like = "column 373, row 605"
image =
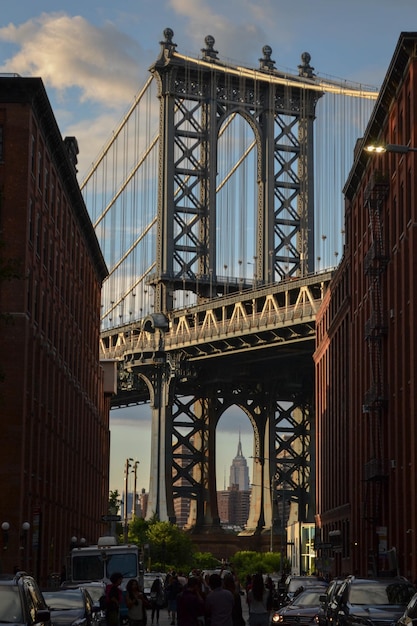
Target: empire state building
column 233, row 503
column 239, row 472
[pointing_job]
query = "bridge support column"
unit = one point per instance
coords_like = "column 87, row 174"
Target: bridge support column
column 160, row 501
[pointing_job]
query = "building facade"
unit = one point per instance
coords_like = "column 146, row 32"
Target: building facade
column 54, row 405
column 367, row 349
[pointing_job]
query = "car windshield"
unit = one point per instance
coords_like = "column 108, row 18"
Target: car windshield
column 308, row 581
column 64, row 600
column 95, row 592
column 10, row 605
column 308, row 598
column 377, row 594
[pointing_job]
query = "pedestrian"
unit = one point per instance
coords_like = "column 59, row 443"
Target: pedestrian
column 173, row 589
column 114, row 598
column 136, row 603
column 237, row 614
column 157, row 599
column 190, row 603
column 258, row 600
column 219, row 603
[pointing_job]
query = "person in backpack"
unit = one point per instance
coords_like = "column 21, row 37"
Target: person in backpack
column 114, row 598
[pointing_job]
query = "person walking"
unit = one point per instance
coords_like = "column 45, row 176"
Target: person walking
column 190, row 603
column 157, row 599
column 258, row 601
column 237, row 614
column 136, row 603
column 219, row 603
column 114, row 598
column 172, row 590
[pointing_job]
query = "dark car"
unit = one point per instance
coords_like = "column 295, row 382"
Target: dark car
column 295, row 584
column 97, row 590
column 302, row 610
column 371, row 602
column 409, row 617
column 71, row 606
column 21, row 601
column 327, row 609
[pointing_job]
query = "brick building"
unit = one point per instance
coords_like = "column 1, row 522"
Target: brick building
column 54, row 409
column 366, row 352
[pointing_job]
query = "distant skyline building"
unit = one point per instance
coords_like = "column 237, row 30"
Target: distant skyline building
column 233, row 502
column 239, row 471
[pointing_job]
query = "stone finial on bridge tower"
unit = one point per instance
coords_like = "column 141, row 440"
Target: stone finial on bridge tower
column 209, row 53
column 305, row 68
column 168, row 46
column 266, row 63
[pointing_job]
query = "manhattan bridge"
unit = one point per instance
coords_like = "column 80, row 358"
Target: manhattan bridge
column 218, row 205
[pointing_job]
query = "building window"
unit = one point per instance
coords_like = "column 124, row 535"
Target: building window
column 33, row 152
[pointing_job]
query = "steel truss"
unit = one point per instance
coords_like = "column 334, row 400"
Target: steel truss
column 197, row 98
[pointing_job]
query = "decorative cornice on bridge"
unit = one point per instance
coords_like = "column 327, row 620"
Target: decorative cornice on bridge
column 261, row 318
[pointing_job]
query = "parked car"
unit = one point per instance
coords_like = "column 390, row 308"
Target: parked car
column 366, row 601
column 148, row 580
column 302, row 610
column 327, row 610
column 96, row 590
column 295, row 584
column 72, row 607
column 409, row 617
column 21, row 601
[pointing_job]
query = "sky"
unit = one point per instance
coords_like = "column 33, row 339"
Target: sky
column 94, row 55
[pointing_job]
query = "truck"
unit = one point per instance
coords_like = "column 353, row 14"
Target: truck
column 99, row 562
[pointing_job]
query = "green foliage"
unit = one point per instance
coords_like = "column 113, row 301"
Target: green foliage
column 138, row 529
column 114, row 501
column 167, row 547
column 170, row 546
column 205, row 560
column 246, row 563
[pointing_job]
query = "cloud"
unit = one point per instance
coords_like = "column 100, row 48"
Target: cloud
column 236, row 38
column 69, row 52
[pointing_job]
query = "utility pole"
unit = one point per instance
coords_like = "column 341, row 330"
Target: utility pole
column 271, row 547
column 127, row 467
column 135, row 470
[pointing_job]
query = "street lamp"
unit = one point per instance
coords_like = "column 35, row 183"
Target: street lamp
column 127, row 467
column 389, row 147
column 24, row 543
column 135, row 470
column 5, row 527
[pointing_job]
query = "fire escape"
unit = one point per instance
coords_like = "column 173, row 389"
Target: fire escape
column 374, row 404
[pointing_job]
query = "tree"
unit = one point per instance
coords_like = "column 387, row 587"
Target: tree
column 246, row 563
column 170, row 546
column 114, row 502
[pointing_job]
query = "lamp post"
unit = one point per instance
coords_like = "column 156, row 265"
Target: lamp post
column 135, row 470
column 19, row 544
column 127, row 467
column 5, row 527
column 24, row 543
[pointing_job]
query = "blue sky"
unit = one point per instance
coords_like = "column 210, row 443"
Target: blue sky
column 93, row 57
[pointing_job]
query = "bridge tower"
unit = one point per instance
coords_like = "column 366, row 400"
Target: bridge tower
column 273, row 385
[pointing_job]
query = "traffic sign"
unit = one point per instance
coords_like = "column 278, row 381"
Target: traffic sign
column 111, row 518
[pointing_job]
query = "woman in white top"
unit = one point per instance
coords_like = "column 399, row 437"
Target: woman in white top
column 258, row 601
